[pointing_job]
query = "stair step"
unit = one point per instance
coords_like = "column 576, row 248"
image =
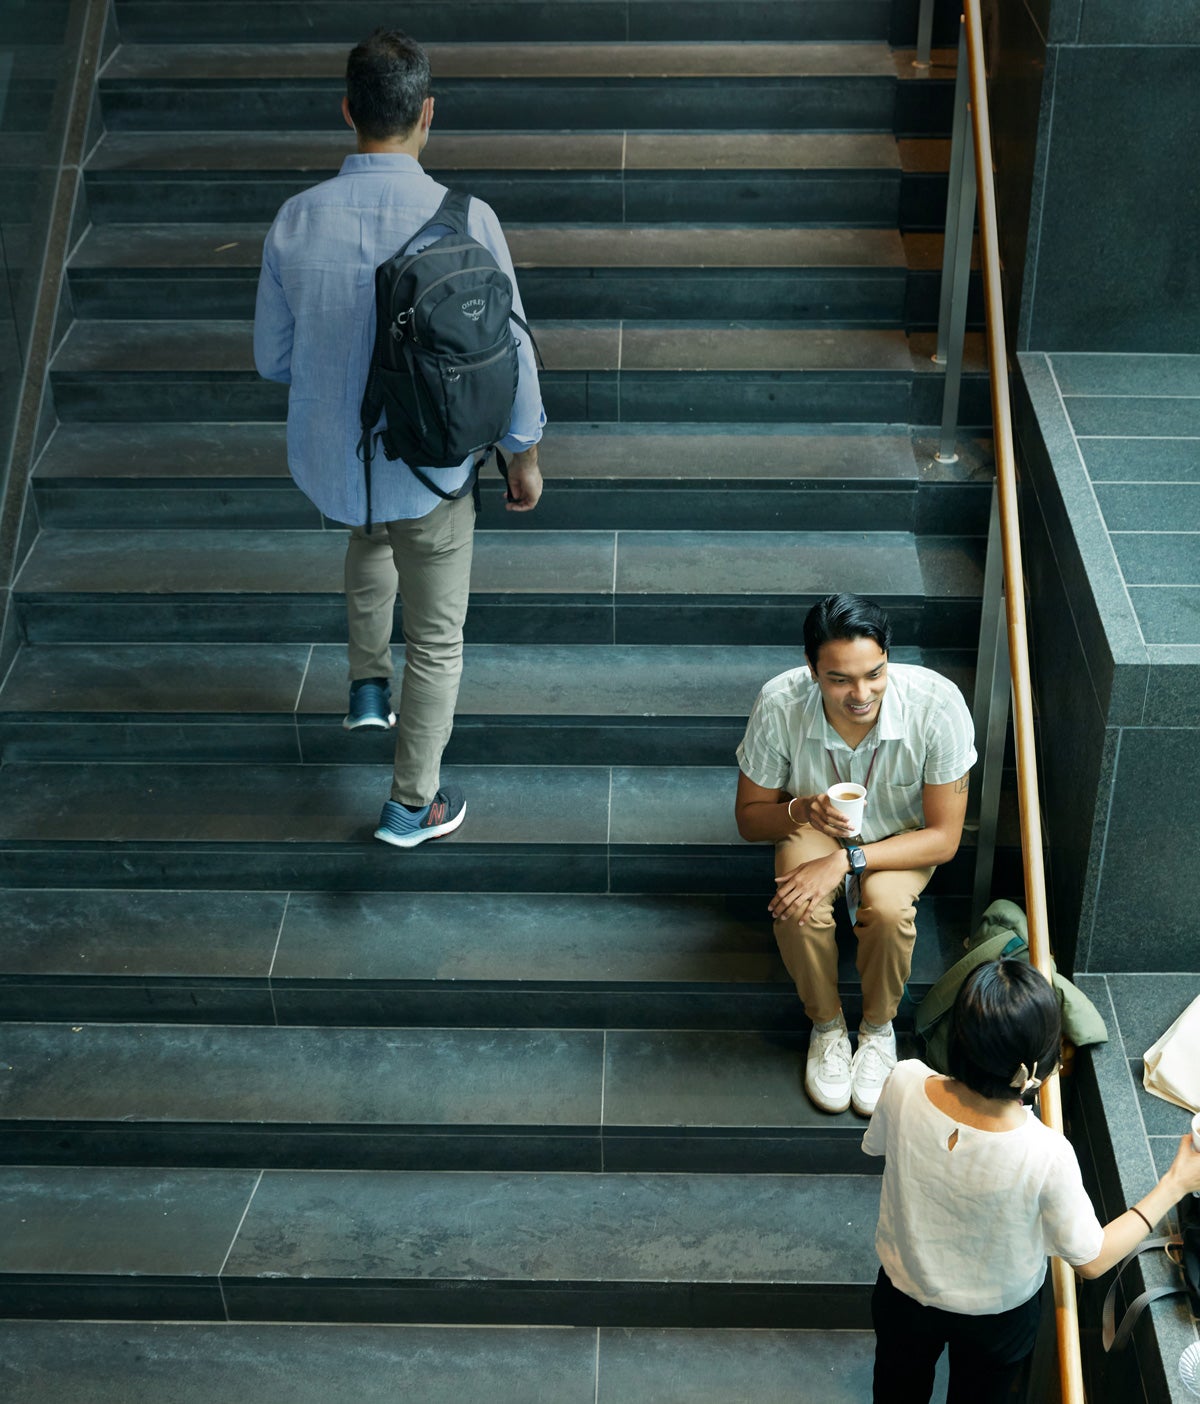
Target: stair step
column 647, row 272
column 840, row 477
column 849, row 276
column 542, row 86
column 599, row 177
column 554, row 587
column 134, row 1363
column 612, row 704
column 452, row 959
column 647, row 1100
column 501, row 21
column 110, row 371
column 530, row 828
column 502, row 1248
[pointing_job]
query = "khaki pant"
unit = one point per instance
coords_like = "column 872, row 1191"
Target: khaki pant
column 428, row 562
column 886, row 929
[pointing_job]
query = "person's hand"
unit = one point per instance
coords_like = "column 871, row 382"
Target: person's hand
column 1185, row 1168
column 795, row 892
column 827, row 820
column 524, row 482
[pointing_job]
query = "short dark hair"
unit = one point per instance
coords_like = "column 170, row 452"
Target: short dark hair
column 1006, row 1014
column 845, row 617
column 387, row 82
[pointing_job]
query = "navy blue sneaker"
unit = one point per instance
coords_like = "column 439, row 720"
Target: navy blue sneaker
column 370, row 706
column 442, row 815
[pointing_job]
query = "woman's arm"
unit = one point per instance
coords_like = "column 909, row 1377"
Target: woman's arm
column 1127, row 1230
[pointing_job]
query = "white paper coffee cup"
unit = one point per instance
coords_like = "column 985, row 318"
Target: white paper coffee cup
column 850, row 800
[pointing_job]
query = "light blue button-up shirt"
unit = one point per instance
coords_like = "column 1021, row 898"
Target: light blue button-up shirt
column 314, row 326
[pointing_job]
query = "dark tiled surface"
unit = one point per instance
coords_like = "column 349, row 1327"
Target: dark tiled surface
column 1139, row 919
column 1169, row 614
column 755, row 1229
column 765, row 563
column 1112, row 274
column 238, row 62
column 1150, row 558
column 583, row 21
column 322, row 804
column 131, row 1364
column 500, row 937
column 222, row 934
column 1141, row 461
column 236, row 678
column 115, row 1222
column 325, row 1077
column 716, row 1367
column 584, row 681
column 1152, row 507
column 1135, row 416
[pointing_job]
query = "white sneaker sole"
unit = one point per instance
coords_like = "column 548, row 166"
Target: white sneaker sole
column 823, row 1103
column 421, row 835
column 368, row 723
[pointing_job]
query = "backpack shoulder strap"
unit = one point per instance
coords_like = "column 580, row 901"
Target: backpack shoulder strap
column 451, row 214
column 1113, row 1337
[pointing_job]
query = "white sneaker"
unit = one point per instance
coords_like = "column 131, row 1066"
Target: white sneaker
column 827, row 1072
column 875, row 1058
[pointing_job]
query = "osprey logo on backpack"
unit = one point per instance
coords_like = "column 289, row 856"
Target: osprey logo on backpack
column 443, row 372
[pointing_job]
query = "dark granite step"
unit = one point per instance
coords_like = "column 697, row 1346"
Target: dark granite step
column 450, row 959
column 130, row 1363
column 648, row 1100
column 535, row 829
column 506, row 21
column 600, row 477
column 579, row 587
column 203, row 370
column 542, row 86
column 608, row 178
column 848, row 276
column 501, row 1248
column 608, row 704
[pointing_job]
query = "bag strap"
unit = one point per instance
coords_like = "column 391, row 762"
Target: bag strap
column 1114, row 1337
column 452, row 213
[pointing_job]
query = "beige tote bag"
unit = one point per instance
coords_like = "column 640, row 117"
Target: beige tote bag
column 1172, row 1065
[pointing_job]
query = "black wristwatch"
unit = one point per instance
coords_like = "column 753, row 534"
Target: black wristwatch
column 858, row 859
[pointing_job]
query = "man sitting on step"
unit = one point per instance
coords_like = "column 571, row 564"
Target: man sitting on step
column 313, row 330
column 904, row 734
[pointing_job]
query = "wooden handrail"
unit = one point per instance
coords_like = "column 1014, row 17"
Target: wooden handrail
column 1065, row 1302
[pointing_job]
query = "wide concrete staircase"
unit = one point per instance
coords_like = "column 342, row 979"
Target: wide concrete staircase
column 521, row 1109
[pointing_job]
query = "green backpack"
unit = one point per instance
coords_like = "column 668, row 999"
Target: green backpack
column 1002, row 935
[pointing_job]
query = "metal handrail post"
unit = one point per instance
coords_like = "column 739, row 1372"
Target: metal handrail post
column 993, row 689
column 924, row 34
column 960, row 139
column 991, row 625
column 956, row 330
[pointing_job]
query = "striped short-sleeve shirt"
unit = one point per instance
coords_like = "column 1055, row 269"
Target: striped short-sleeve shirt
column 923, row 736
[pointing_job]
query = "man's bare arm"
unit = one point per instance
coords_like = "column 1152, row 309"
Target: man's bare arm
column 945, row 809
column 766, row 816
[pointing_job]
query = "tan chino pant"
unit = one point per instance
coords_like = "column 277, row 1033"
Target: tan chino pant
column 428, row 562
column 886, row 929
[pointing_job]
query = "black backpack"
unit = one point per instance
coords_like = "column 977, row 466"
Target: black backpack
column 444, row 363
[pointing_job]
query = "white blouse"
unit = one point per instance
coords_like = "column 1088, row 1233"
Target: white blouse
column 969, row 1229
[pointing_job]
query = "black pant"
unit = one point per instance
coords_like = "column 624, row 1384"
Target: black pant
column 987, row 1353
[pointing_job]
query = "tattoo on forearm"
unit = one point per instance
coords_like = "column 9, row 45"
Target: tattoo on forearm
column 961, row 784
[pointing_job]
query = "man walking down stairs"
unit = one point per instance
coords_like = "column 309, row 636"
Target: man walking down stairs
column 291, row 1116
column 411, row 535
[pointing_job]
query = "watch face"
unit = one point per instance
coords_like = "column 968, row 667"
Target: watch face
column 858, row 860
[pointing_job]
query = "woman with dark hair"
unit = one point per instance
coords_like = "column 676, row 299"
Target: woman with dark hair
column 977, row 1193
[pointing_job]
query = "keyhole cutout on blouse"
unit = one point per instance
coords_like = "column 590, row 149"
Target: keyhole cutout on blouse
column 953, row 1139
